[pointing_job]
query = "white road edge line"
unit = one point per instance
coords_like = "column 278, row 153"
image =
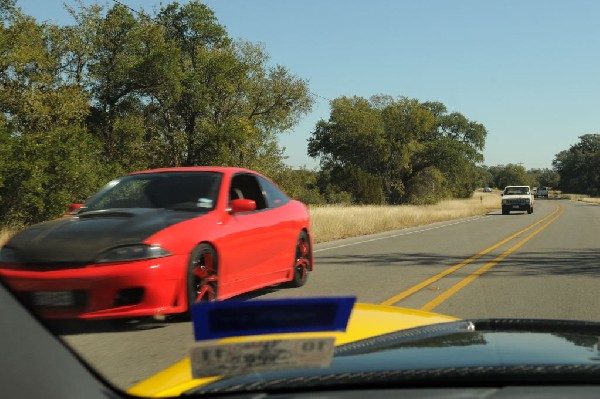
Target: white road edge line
column 401, row 234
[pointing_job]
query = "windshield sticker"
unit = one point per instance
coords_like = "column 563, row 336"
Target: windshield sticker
column 211, row 359
column 214, row 320
column 204, row 203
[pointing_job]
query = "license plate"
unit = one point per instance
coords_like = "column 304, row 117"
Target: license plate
column 53, row 298
column 515, row 206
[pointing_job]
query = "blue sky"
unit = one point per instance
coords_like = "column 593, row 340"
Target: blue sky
column 528, row 70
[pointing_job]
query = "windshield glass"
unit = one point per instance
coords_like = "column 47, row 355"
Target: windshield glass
column 436, row 161
column 172, row 190
column 516, row 191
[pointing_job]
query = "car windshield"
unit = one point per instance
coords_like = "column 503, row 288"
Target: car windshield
column 431, row 162
column 516, row 191
column 169, row 190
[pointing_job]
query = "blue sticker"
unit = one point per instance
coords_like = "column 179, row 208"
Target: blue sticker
column 213, row 320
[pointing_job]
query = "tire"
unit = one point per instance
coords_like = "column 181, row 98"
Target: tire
column 202, row 282
column 505, row 211
column 302, row 259
column 530, row 210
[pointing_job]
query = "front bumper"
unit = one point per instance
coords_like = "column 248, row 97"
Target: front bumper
column 516, row 207
column 130, row 289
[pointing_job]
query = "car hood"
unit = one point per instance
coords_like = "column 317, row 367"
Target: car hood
column 81, row 238
column 365, row 321
column 425, row 349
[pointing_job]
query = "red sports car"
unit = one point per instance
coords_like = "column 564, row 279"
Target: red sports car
column 154, row 242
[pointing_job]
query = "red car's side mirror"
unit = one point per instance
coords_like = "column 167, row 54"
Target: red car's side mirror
column 242, row 205
column 73, row 208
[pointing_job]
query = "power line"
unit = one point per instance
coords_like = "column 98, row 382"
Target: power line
column 319, row 96
column 141, row 14
column 148, row 17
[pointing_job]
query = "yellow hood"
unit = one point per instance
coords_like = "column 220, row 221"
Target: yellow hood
column 365, row 321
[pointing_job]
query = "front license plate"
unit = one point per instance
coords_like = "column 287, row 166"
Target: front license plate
column 515, row 206
column 211, row 358
column 53, row 298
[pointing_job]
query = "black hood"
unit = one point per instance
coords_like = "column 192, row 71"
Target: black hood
column 494, row 351
column 81, row 238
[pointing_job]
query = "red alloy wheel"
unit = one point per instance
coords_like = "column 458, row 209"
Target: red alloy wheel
column 204, row 274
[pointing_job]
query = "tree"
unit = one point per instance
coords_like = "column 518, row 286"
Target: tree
column 579, row 166
column 49, row 159
column 484, row 177
column 229, row 104
column 543, row 177
column 426, row 187
column 353, row 134
column 453, row 147
column 300, row 184
column 513, row 175
column 396, row 139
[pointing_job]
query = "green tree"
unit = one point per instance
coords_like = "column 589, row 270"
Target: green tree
column 300, row 184
column 395, row 139
column 426, row 187
column 353, row 134
column 49, row 159
column 513, row 175
column 484, row 177
column 579, row 166
column 543, row 177
column 229, row 104
column 174, row 89
column 453, row 147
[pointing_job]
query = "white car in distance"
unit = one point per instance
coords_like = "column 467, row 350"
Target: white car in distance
column 517, row 198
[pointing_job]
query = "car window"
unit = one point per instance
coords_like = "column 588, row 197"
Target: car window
column 275, row 197
column 175, row 190
column 245, row 186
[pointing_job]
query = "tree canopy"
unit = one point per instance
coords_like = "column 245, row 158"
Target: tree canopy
column 404, row 143
column 579, row 166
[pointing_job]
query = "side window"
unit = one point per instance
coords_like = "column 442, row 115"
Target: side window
column 275, row 197
column 245, row 186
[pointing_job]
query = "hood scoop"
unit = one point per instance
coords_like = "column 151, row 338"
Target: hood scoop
column 108, row 213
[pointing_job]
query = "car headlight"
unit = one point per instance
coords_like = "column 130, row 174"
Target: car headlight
column 9, row 255
column 504, row 202
column 132, row 252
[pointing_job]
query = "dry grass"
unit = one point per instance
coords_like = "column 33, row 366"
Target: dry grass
column 335, row 222
column 572, row 197
column 576, row 197
column 592, row 200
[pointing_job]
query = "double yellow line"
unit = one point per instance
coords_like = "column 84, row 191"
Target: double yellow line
column 555, row 214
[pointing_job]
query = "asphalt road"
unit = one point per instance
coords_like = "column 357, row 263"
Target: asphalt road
column 543, row 265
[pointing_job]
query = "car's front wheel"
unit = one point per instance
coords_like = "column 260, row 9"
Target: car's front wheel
column 302, row 261
column 202, row 281
column 530, row 210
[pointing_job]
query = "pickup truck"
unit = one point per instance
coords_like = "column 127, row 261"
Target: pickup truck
column 541, row 192
column 517, row 198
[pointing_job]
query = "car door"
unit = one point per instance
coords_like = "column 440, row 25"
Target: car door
column 247, row 250
column 284, row 247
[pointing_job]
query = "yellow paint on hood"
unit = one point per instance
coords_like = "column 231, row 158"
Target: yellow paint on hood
column 365, row 321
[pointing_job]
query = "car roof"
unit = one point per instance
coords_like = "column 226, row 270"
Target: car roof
column 220, row 169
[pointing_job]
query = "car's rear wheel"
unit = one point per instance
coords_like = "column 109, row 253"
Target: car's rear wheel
column 202, row 280
column 302, row 261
